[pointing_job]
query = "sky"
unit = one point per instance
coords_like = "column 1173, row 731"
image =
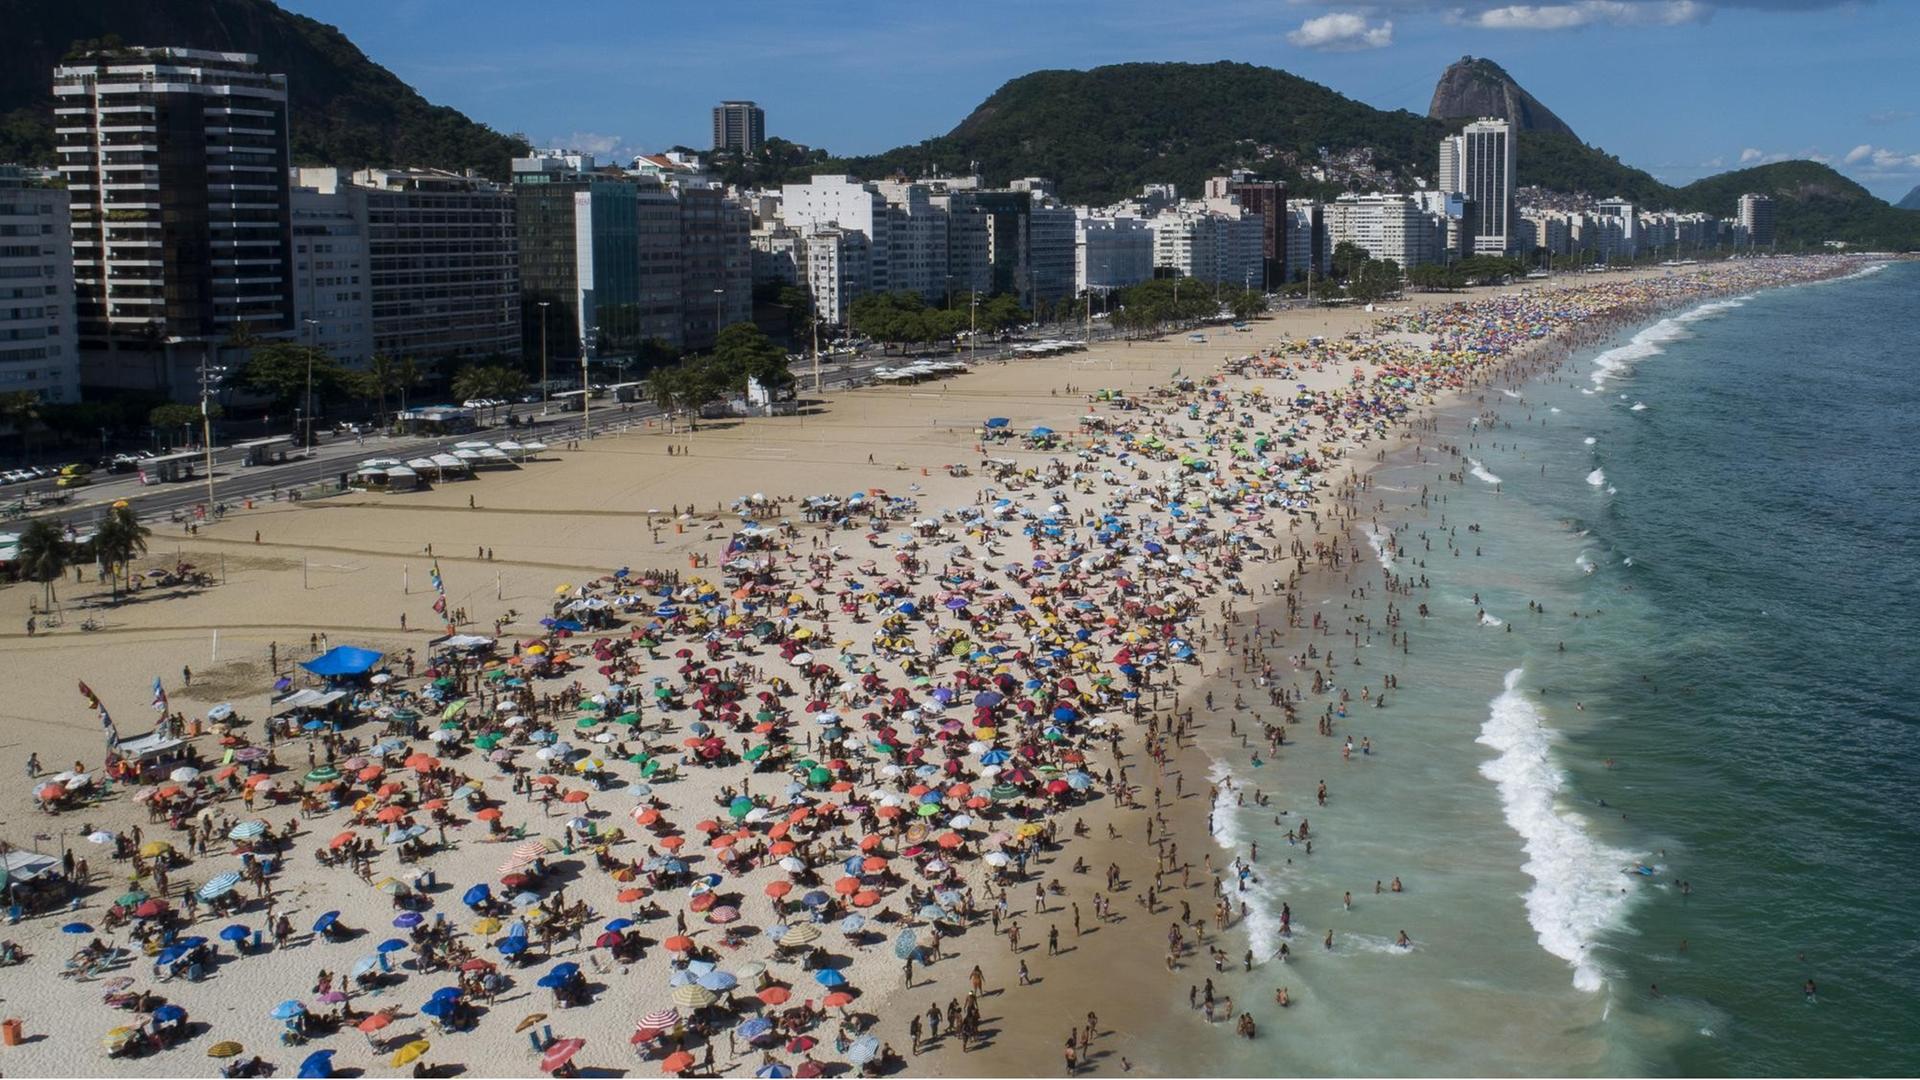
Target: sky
column 1681, row 88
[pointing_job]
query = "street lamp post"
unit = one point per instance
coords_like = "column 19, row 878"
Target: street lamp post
column 543, row 358
column 586, row 381
column 719, row 299
column 312, row 331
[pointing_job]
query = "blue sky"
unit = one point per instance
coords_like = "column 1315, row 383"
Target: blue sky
column 1681, row 88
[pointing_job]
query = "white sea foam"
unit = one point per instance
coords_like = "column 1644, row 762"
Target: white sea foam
column 1480, row 471
column 1577, row 881
column 1377, row 540
column 1638, row 406
column 1585, row 563
column 1597, row 478
column 1510, row 393
column 1651, row 341
column 1590, row 440
column 1262, row 923
column 1553, row 408
column 1488, row 618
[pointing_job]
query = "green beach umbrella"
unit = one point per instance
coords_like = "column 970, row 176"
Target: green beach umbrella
column 755, row 753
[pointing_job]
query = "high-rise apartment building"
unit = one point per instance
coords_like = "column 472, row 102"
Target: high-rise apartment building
column 1052, row 243
column 716, row 267
column 1267, row 198
column 176, row 167
column 1386, row 226
column 739, row 126
column 841, row 202
column 580, row 255
column 1487, row 160
column 1756, row 219
column 332, row 293
column 1111, row 252
column 38, row 353
column 443, row 259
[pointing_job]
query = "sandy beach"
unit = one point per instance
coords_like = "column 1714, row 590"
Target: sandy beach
column 1055, row 574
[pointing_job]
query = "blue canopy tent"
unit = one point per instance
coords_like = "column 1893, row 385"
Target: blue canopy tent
column 342, row 661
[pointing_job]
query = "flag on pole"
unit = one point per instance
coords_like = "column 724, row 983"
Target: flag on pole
column 93, row 699
column 159, row 696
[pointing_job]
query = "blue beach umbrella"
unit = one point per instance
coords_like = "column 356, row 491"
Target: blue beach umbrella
column 321, row 924
column 718, row 981
column 287, row 1010
column 166, row 1014
column 829, row 978
column 476, row 895
column 864, row 1049
column 755, row 1028
column 774, row 1070
column 236, row 932
column 317, row 1064
column 438, row 1008
column 76, row 928
column 363, row 965
column 407, row 920
column 393, row 944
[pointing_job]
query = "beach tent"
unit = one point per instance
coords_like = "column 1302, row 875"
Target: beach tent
column 152, row 746
column 342, row 660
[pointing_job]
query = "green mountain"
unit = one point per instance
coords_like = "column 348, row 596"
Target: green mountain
column 345, row 109
column 1911, row 201
column 1811, row 203
column 1103, row 133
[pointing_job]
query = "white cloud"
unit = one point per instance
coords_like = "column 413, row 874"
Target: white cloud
column 1342, row 31
column 1880, row 159
column 1569, row 16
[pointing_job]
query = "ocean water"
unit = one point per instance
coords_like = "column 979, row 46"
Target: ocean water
column 1672, row 610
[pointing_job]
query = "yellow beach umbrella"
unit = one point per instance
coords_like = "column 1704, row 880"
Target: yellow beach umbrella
column 487, row 925
column 411, row 1052
column 155, row 848
column 226, row 1049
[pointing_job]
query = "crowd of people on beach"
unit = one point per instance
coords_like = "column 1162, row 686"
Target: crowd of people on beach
column 857, row 735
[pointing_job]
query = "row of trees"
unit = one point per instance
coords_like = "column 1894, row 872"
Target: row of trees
column 45, row 553
column 1163, row 301
column 903, row 318
column 741, row 353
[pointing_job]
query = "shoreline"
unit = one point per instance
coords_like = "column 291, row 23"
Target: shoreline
column 1031, row 1022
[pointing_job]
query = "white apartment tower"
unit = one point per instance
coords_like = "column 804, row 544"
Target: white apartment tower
column 1487, row 158
column 37, row 350
column 176, row 167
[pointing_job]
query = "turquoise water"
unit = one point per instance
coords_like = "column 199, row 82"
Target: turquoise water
column 1716, row 517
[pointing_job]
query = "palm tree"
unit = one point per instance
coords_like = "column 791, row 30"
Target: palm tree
column 119, row 540
column 44, row 555
column 383, row 374
column 408, row 374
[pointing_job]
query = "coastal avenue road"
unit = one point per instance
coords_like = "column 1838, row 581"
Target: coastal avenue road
column 233, row 483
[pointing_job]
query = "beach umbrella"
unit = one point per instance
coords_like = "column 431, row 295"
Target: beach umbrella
column 438, row 1008
column 559, row 1053
column 775, row 1069
column 220, row 885
column 475, row 895
column 693, row 996
column 718, row 981
column 829, row 978
column 321, row 925
column 225, row 1049
column 246, row 830
column 390, row 945
column 677, row 1062
column 853, row 924
column 407, row 920
column 76, row 928
column 287, row 1010
column 167, row 1014
column 660, row 1019
column 363, row 965
column 235, row 933
column 864, row 1049
column 374, row 1023
column 907, row 944
column 317, row 1064
column 411, row 1052
column 775, row 995
column 754, row 1028
column 131, row 897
